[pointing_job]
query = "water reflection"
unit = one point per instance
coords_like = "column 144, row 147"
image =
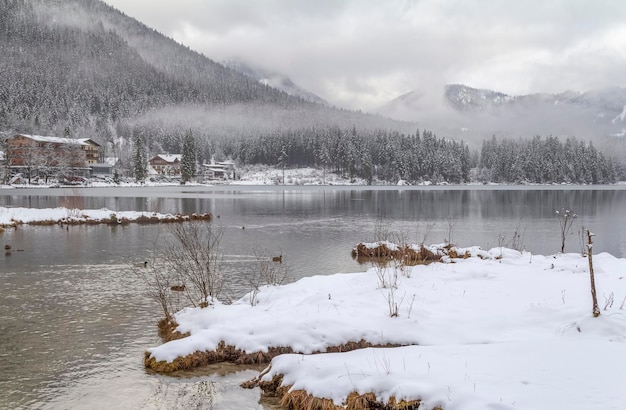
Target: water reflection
column 214, row 387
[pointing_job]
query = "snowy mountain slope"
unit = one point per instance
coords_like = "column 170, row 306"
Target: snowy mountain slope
column 466, row 98
column 87, row 68
column 275, row 80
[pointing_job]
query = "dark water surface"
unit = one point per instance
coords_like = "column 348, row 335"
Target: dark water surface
column 75, row 322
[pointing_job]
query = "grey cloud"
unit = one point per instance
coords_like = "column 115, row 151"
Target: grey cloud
column 357, row 53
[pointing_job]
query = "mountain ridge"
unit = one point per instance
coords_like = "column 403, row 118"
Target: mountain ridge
column 599, row 112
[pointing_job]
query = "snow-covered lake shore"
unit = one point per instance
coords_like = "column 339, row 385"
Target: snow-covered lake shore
column 501, row 329
column 255, row 175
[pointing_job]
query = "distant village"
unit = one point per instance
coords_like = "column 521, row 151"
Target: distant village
column 34, row 159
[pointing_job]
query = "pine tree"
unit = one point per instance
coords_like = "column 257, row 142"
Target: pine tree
column 188, row 162
column 6, row 170
column 140, row 160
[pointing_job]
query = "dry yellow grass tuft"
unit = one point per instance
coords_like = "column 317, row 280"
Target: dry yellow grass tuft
column 382, row 253
column 301, row 400
column 168, row 332
column 356, row 401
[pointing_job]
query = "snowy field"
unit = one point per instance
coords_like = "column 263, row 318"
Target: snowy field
column 499, row 330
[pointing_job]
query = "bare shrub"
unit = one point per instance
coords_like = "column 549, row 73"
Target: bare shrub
column 517, row 238
column 427, row 230
column 157, row 287
column 194, row 259
column 451, row 223
column 390, row 262
column 515, row 241
column 266, row 271
column 566, row 219
column 389, row 282
column 380, row 267
column 390, row 277
column 382, row 228
column 399, row 261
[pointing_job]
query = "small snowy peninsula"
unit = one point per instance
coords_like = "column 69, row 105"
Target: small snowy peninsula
column 496, row 329
column 72, row 216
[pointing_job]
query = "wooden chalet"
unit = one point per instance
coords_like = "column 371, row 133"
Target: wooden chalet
column 164, row 164
column 37, row 154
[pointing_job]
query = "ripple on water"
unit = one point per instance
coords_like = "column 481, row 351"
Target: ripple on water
column 76, row 340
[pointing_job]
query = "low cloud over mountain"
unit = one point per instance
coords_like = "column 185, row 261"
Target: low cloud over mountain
column 596, row 113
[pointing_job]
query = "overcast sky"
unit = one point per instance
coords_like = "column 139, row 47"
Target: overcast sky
column 359, row 54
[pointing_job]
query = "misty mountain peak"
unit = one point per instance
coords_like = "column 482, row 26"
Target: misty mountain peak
column 463, row 97
column 273, row 79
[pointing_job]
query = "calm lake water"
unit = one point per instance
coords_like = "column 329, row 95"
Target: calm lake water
column 75, row 322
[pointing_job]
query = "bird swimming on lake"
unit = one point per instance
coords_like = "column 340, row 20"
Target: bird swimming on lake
column 144, row 264
column 7, row 247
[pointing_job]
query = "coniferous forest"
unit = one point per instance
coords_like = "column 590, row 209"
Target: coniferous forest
column 80, row 68
column 545, row 160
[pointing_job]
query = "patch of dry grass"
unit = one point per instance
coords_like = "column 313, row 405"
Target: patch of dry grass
column 301, row 400
column 223, row 353
column 229, row 353
column 168, row 332
column 405, row 254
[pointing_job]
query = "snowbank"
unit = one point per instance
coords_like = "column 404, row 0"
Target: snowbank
column 17, row 216
column 504, row 330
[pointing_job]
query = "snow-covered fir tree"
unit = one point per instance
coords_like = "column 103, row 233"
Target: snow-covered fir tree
column 188, row 161
column 140, row 158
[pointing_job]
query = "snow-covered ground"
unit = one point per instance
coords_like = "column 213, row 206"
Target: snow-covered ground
column 252, row 175
column 499, row 330
column 260, row 175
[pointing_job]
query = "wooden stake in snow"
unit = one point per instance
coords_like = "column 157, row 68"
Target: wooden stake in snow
column 596, row 310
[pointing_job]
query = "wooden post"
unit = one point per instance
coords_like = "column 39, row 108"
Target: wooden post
column 596, row 310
